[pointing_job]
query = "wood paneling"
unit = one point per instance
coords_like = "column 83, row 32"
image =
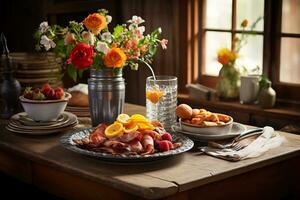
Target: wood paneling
column 170, row 15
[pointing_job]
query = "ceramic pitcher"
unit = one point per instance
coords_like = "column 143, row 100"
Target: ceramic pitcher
column 249, row 88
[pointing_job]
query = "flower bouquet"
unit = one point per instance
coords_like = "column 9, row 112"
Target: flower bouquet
column 90, row 45
column 229, row 75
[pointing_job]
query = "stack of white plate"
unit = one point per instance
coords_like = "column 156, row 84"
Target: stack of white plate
column 79, row 111
column 21, row 123
column 36, row 69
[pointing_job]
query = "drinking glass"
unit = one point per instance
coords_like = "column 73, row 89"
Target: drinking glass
column 161, row 99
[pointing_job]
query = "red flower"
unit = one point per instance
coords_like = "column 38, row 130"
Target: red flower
column 82, row 55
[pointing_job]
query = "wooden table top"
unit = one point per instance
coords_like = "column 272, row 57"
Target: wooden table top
column 153, row 180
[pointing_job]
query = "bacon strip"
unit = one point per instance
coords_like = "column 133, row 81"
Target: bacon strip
column 136, row 146
column 148, row 144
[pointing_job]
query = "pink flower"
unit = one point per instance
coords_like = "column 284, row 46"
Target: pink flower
column 69, row 39
column 86, row 35
column 164, row 43
column 131, row 44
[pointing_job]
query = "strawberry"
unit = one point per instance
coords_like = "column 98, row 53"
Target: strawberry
column 38, row 95
column 167, row 136
column 171, row 146
column 163, row 145
column 51, row 94
column 46, row 88
column 59, row 93
column 28, row 94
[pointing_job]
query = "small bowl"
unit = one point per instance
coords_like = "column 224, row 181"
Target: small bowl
column 44, row 110
column 219, row 129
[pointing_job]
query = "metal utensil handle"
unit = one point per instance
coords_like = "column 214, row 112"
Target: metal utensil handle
column 249, row 132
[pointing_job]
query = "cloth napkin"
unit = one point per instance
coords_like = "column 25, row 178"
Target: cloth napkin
column 267, row 140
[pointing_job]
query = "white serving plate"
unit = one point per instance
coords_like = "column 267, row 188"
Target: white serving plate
column 220, row 129
column 236, row 130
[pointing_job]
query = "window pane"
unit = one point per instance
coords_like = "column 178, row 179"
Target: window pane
column 214, row 41
column 251, row 54
column 218, row 14
column 250, row 10
column 290, row 16
column 290, row 60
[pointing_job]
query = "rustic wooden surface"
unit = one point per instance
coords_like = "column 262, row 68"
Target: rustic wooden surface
column 43, row 162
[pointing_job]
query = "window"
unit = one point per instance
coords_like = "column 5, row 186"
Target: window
column 275, row 48
column 290, row 42
column 222, row 21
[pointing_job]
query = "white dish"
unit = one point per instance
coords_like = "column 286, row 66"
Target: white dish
column 209, row 130
column 236, row 130
column 71, row 121
column 45, row 110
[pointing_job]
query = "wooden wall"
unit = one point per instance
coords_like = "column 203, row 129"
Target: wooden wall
column 21, row 18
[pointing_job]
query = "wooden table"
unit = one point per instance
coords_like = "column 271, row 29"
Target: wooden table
column 43, row 162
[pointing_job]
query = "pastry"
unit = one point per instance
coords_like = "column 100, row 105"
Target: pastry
column 184, row 111
column 79, row 96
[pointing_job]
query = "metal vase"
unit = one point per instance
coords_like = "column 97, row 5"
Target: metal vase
column 106, row 95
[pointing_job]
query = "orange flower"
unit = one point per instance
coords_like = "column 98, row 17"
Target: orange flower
column 244, row 23
column 115, row 58
column 225, row 56
column 95, row 23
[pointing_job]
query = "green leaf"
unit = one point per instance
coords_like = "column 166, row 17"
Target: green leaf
column 72, row 72
column 103, row 11
column 98, row 61
column 156, row 32
column 118, row 31
column 80, row 73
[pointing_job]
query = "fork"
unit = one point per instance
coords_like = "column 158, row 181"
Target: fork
column 235, row 141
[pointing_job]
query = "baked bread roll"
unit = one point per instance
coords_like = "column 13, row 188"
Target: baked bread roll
column 79, row 95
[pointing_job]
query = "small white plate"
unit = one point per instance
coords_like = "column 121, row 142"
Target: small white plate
column 236, row 130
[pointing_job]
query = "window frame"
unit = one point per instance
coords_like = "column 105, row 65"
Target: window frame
column 286, row 92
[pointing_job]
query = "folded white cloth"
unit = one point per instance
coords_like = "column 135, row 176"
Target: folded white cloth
column 267, row 140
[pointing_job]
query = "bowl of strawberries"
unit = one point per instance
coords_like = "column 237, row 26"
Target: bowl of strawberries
column 44, row 104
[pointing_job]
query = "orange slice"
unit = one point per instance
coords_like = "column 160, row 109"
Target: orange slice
column 154, row 95
column 113, row 130
column 145, row 126
column 123, row 118
column 139, row 118
column 130, row 129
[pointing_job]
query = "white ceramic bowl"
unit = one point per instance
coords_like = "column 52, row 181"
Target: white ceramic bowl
column 45, row 110
column 220, row 129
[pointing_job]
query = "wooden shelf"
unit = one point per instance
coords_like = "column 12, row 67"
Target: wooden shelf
column 281, row 112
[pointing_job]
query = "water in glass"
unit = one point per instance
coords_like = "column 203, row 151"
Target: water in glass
column 161, row 99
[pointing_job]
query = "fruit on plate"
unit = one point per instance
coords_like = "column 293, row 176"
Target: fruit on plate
column 113, row 130
column 200, row 117
column 184, row 111
column 126, row 136
column 123, row 118
column 45, row 93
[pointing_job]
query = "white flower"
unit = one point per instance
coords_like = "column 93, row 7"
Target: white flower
column 88, row 36
column 44, row 27
column 102, row 47
column 108, row 18
column 132, row 27
column 47, row 43
column 106, row 37
column 136, row 20
column 141, row 29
